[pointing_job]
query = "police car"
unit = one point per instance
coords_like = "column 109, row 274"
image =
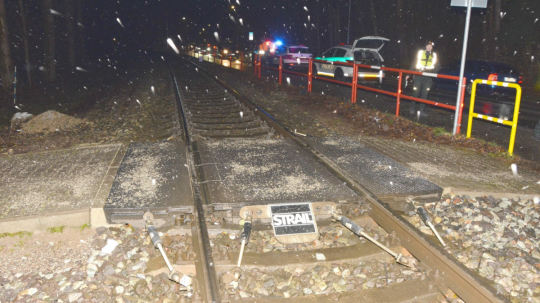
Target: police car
column 293, row 56
column 363, row 51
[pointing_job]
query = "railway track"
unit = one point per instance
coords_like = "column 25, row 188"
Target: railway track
column 238, row 157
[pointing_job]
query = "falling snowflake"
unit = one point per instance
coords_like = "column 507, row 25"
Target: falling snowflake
column 119, row 22
column 171, row 43
column 55, row 12
column 513, row 167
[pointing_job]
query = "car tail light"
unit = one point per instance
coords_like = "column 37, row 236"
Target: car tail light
column 492, row 77
column 520, row 80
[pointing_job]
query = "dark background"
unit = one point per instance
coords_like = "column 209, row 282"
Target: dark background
column 506, row 31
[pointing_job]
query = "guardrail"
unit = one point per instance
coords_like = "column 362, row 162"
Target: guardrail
column 512, row 123
column 355, row 86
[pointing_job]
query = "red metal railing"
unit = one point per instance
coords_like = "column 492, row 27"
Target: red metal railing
column 355, row 86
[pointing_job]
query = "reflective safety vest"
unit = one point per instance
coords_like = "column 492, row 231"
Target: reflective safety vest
column 424, row 63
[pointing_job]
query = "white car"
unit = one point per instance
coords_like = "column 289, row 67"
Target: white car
column 293, row 56
column 363, row 51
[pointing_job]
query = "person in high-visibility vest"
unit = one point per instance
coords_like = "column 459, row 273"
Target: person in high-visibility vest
column 425, row 61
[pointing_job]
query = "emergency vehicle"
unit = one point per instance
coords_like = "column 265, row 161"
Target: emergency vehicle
column 293, row 56
column 364, row 50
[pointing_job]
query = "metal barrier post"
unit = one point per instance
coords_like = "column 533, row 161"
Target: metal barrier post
column 241, row 60
column 259, row 68
column 354, row 83
column 399, row 93
column 512, row 123
column 280, row 68
column 515, row 120
column 310, row 76
column 462, row 104
column 255, row 64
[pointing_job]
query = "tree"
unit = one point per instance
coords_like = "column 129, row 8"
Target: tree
column 25, row 39
column 6, row 65
column 70, row 31
column 80, row 31
column 373, row 17
column 50, row 51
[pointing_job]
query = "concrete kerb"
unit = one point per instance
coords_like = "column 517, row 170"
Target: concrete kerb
column 97, row 215
column 72, row 218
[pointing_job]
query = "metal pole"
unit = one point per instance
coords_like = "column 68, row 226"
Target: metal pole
column 399, row 93
column 349, row 23
column 462, row 68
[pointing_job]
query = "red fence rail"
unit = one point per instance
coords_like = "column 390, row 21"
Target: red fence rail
column 355, row 86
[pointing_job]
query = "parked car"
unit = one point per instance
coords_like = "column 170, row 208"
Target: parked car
column 480, row 69
column 363, row 51
column 294, row 56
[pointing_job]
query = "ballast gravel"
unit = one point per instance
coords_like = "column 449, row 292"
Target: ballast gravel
column 496, row 238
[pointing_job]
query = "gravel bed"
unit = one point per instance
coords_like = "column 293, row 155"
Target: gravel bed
column 496, row 238
column 332, row 236
column 291, row 281
column 85, row 273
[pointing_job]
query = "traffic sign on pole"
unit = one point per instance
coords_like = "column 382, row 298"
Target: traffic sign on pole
column 475, row 3
column 469, row 4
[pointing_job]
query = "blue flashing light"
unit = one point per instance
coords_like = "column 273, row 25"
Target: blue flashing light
column 278, row 42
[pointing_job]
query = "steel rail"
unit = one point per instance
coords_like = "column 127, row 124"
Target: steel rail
column 466, row 284
column 210, row 286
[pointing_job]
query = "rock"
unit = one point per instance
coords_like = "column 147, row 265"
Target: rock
column 74, row 296
column 244, row 294
column 91, row 270
column 20, row 118
column 320, row 257
column 100, row 231
column 109, row 270
column 339, row 287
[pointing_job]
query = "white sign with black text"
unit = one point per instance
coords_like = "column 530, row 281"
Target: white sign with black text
column 293, row 219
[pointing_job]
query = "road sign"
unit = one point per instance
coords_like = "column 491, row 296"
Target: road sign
column 250, row 36
column 293, row 219
column 475, row 3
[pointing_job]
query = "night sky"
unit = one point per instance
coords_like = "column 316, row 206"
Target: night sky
column 147, row 24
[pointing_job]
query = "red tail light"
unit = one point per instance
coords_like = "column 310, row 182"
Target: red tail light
column 520, row 80
column 492, row 77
